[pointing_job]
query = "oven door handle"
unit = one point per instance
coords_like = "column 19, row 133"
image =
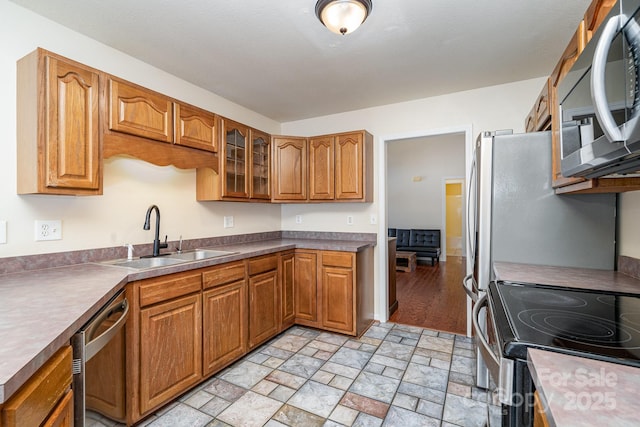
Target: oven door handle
column 472, row 291
column 94, row 345
column 491, row 360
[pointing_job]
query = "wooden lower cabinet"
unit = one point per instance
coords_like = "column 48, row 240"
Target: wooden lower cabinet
column 46, row 399
column 224, row 307
column 334, row 290
column 338, row 289
column 164, row 340
column 264, row 307
column 287, row 292
column 170, row 353
column 306, row 288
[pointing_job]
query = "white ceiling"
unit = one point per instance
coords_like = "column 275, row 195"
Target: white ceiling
column 275, row 58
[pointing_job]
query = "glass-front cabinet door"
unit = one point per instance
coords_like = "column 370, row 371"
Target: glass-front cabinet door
column 234, row 164
column 260, row 165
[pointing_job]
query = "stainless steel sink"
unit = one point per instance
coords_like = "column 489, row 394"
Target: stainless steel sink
column 169, row 259
column 146, row 262
column 199, row 254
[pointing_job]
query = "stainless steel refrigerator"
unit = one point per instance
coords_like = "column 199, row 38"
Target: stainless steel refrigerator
column 514, row 215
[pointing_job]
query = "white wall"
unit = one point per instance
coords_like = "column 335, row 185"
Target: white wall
column 629, row 223
column 419, row 204
column 130, row 185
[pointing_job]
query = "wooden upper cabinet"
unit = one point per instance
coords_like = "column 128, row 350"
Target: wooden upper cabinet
column 59, row 148
column 289, row 168
column 321, row 168
column 351, row 168
column 233, row 164
column 336, row 167
column 595, row 14
column 260, row 165
column 195, row 128
column 139, row 111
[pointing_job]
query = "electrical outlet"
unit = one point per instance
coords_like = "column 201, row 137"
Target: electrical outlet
column 48, row 230
column 228, row 222
column 373, row 219
column 349, row 219
column 3, row 232
column 298, row 219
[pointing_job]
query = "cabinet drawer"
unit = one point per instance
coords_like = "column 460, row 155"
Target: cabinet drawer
column 338, row 259
column 225, row 273
column 35, row 400
column 168, row 287
column 262, row 264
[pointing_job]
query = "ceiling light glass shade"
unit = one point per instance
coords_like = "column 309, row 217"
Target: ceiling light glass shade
column 343, row 16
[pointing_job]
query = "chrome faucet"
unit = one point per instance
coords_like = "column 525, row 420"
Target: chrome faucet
column 156, row 241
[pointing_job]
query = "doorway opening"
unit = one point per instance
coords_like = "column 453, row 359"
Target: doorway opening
column 423, row 188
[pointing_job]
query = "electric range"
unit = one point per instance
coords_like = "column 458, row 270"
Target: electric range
column 587, row 323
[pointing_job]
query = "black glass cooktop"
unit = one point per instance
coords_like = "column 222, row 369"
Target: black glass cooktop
column 599, row 325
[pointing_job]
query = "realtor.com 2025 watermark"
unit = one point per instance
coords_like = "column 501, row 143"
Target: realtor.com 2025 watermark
column 579, row 390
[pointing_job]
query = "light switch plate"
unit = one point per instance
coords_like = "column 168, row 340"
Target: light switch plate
column 228, row 222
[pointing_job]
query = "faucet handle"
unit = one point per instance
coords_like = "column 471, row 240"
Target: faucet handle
column 164, row 244
column 179, row 248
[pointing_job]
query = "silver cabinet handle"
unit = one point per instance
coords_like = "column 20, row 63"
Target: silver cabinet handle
column 94, row 345
column 472, row 291
column 598, row 90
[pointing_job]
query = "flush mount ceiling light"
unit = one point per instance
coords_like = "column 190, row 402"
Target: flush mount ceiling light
column 343, row 16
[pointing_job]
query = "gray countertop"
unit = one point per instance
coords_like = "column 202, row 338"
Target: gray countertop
column 602, row 280
column 576, row 391
column 42, row 309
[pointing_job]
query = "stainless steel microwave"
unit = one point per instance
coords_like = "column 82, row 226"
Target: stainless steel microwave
column 599, row 100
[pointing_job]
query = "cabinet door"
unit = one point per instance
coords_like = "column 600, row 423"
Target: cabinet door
column 349, row 166
column 224, row 325
column 321, row 168
column 260, row 165
column 235, row 138
column 289, row 168
column 195, row 128
column 338, row 310
column 306, row 289
column 62, row 414
column 58, row 126
column 287, row 280
column 170, row 350
column 263, row 307
column 139, row 111
column 72, row 149
column 595, row 14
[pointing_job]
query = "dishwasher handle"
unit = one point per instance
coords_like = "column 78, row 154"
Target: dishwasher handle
column 94, row 345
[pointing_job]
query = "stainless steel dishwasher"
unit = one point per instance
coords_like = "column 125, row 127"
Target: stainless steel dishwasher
column 101, row 341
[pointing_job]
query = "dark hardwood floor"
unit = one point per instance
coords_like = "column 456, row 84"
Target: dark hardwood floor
column 432, row 297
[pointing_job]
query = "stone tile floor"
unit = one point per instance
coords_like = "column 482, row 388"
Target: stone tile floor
column 395, row 375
